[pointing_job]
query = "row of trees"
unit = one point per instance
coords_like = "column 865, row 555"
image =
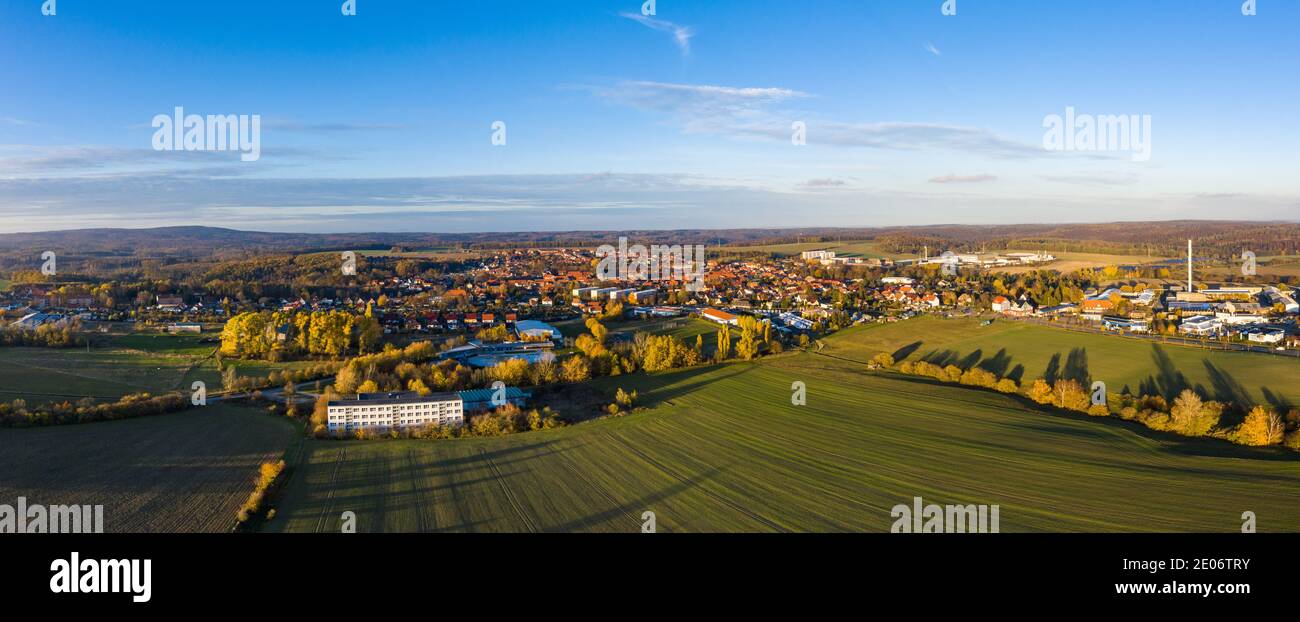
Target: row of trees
column 267, row 475
column 1188, row 415
column 18, row 413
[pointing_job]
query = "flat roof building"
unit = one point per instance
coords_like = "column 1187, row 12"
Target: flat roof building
column 395, row 410
column 721, row 317
column 1201, row 326
column 534, row 328
column 479, row 400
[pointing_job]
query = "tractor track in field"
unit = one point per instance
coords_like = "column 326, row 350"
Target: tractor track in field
column 329, row 496
column 415, row 492
column 510, row 495
column 712, row 495
column 582, row 477
column 807, row 447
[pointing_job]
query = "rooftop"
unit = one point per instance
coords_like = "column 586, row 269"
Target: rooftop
column 396, row 397
column 485, row 395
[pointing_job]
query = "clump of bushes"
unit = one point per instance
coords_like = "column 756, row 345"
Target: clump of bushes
column 622, row 402
column 267, row 475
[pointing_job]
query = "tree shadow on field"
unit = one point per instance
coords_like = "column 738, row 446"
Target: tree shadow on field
column 1053, row 371
column 1168, row 382
column 996, row 364
column 1076, row 367
column 970, row 360
column 1279, row 402
column 942, row 358
column 1017, row 373
column 906, row 350
column 1228, row 389
column 416, row 488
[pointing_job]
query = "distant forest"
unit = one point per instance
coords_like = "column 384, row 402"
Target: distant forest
column 173, row 252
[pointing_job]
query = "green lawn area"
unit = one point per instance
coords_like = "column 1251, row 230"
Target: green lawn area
column 185, row 343
column 121, row 364
column 723, row 449
column 680, row 327
column 1141, row 365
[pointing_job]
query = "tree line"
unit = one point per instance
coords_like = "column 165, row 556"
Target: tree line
column 18, row 414
column 1189, row 414
column 283, row 335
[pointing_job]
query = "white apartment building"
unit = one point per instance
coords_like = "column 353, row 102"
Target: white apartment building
column 388, row 411
column 818, row 255
column 619, row 295
column 645, row 296
column 1268, row 335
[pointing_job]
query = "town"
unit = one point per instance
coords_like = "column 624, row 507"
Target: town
column 517, row 298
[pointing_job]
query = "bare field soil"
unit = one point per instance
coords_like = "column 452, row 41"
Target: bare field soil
column 185, row 472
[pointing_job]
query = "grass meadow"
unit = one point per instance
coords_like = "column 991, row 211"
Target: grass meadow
column 724, row 449
column 121, row 364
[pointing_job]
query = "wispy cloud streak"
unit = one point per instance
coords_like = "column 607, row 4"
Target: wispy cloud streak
column 681, row 34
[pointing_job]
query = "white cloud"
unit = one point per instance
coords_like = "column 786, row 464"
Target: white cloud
column 1095, row 179
column 929, row 47
column 697, row 100
column 591, row 201
column 757, row 112
column 824, row 182
column 962, row 179
column 681, row 34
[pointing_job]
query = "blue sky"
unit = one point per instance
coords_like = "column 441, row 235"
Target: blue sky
column 382, row 121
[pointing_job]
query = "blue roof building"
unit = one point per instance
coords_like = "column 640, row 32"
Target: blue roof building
column 478, row 400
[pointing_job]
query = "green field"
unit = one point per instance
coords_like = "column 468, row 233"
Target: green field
column 183, row 472
column 723, row 449
column 1119, row 362
column 131, row 363
column 680, row 327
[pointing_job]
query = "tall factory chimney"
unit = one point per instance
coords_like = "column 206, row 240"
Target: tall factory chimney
column 1189, row 266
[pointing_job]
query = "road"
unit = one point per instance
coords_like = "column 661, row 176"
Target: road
column 276, row 394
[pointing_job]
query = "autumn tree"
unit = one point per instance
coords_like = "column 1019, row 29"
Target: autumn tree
column 1262, row 426
column 724, row 344
column 575, row 369
column 1192, row 416
column 747, row 347
column 369, row 334
column 320, row 412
